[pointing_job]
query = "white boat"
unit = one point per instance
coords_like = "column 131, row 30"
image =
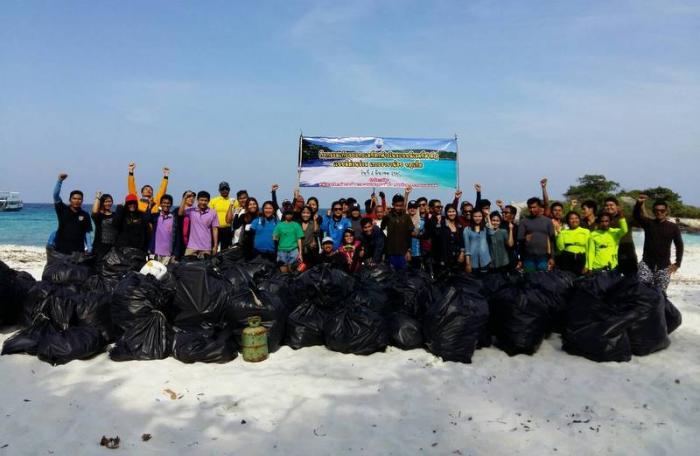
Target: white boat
column 10, row 201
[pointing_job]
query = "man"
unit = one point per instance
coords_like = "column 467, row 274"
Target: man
column 182, row 225
column 73, row 222
column 372, row 239
column 556, row 213
column 221, row 205
column 604, row 243
column 656, row 268
column 419, row 227
column 589, row 209
column 203, row 223
column 509, row 213
column 330, row 255
column 164, row 229
column 536, row 239
column 627, row 255
column 399, row 230
column 147, row 201
column 334, row 226
column 431, row 234
column 132, row 224
column 355, row 218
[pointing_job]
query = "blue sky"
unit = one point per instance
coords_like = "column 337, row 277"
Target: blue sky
column 221, row 90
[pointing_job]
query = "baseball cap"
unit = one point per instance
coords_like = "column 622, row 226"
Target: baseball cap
column 412, row 204
column 326, row 240
column 131, row 198
column 355, row 207
column 224, row 186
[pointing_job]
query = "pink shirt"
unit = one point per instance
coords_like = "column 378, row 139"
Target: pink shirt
column 201, row 223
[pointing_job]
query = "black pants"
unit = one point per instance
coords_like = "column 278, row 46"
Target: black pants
column 572, row 262
column 627, row 258
column 225, row 237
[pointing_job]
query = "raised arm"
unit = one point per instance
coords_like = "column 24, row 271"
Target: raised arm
column 638, row 212
column 57, row 188
column 96, row 204
column 273, row 192
column 455, row 201
column 131, row 180
column 545, row 197
column 477, row 189
column 163, row 189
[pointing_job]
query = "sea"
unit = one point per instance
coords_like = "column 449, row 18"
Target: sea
column 33, row 225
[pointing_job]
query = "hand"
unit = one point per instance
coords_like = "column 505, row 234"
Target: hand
column 673, row 268
column 408, row 257
column 461, row 257
column 543, row 182
column 166, row 171
column 458, row 193
column 550, row 264
column 469, row 268
column 641, row 198
column 511, row 226
column 275, row 187
column 98, row 195
column 477, row 187
column 409, row 189
column 132, row 167
column 499, row 203
column 300, row 259
column 62, row 176
column 519, row 266
column 213, row 251
column 382, row 195
column 585, row 270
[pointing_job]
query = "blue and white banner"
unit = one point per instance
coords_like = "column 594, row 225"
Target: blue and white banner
column 377, row 162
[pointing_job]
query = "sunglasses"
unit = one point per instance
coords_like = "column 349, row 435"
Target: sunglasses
column 660, row 211
column 337, row 208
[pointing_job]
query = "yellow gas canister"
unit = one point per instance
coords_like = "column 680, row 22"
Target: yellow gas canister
column 254, row 341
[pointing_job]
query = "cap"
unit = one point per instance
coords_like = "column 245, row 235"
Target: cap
column 355, row 207
column 131, row 198
column 412, row 204
column 224, row 186
column 286, row 203
column 326, row 240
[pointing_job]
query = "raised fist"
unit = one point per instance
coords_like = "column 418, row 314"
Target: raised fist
column 477, row 187
column 543, row 182
column 62, row 176
column 132, row 167
column 166, row 171
column 275, row 187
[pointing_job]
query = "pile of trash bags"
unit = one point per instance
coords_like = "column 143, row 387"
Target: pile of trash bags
column 197, row 310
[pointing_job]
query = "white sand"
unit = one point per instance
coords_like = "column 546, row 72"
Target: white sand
column 314, row 401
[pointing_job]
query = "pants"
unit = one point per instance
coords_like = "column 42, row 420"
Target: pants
column 572, row 262
column 198, row 253
column 225, row 237
column 535, row 263
column 655, row 278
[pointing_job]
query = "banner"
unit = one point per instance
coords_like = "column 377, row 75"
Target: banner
column 377, row 162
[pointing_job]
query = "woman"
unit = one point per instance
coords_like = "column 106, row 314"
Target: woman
column 105, row 231
column 312, row 204
column 572, row 244
column 500, row 241
column 311, row 234
column 263, row 227
column 476, row 246
column 240, row 224
column 603, row 244
column 351, row 251
column 451, row 241
column 182, row 225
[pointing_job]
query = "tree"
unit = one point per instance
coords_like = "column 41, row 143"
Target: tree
column 592, row 186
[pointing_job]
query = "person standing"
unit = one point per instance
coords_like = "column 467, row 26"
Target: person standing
column 132, row 224
column 656, row 268
column 335, row 225
column 222, row 204
column 399, row 230
column 243, row 236
column 536, row 239
column 289, row 237
column 589, row 209
column 73, row 222
column 603, row 244
column 263, row 228
column 476, row 247
column 147, row 201
column 572, row 245
column 203, row 223
column 372, row 239
column 627, row 255
column 452, row 253
column 164, row 232
column 311, row 230
column 105, row 231
column 501, row 240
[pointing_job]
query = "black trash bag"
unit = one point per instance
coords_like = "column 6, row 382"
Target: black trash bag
column 411, row 292
column 493, row 283
column 208, row 344
column 371, row 294
column 260, row 268
column 94, row 309
column 55, row 301
column 27, row 340
column 599, row 341
column 250, row 303
column 150, row 337
column 673, row 316
column 648, row 333
column 229, row 256
column 66, row 269
column 14, row 288
column 281, row 285
column 238, row 276
column 201, row 294
column 79, row 342
column 99, row 284
column 558, row 286
column 136, row 296
column 381, row 273
column 325, row 285
column 405, row 332
column 61, row 310
column 357, row 330
column 120, row 260
column 305, row 325
column 454, row 322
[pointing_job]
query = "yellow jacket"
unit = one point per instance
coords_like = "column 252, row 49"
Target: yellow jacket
column 143, row 204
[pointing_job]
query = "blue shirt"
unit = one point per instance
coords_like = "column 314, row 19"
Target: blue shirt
column 335, row 229
column 263, row 234
column 415, row 242
column 476, row 245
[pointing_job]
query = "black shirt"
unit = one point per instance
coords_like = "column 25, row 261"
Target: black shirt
column 657, row 240
column 72, row 227
column 105, row 230
column 133, row 229
column 399, row 228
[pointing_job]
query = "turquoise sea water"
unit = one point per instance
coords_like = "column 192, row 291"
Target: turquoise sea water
column 33, row 225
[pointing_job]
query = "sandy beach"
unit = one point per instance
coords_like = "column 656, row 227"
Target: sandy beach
column 315, row 401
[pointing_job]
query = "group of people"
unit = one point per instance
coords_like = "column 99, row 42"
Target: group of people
column 411, row 233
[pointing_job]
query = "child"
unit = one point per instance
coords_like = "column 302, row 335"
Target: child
column 289, row 236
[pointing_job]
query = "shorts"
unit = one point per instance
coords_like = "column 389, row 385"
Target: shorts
column 290, row 257
column 197, row 253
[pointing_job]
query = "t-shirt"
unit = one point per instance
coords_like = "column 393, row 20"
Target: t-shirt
column 72, row 227
column 573, row 241
column 263, row 234
column 399, row 230
column 287, row 233
column 535, row 234
column 105, row 230
column 201, row 223
column 220, row 206
column 164, row 235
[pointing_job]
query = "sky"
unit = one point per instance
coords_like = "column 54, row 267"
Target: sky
column 221, row 90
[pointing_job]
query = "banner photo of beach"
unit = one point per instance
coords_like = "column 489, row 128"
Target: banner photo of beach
column 370, row 161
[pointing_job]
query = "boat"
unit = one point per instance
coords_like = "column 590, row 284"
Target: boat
column 10, row 201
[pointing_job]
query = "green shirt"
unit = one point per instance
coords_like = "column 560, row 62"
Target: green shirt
column 603, row 246
column 287, row 233
column 573, row 241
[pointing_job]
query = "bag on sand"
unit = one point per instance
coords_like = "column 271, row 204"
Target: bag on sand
column 207, row 344
column 251, row 303
column 137, row 296
column 324, row 284
column 79, row 342
column 357, row 330
column 27, row 339
column 673, row 316
column 201, row 294
column 121, row 260
column 66, row 269
column 150, row 337
column 305, row 325
column 14, row 288
column 405, row 331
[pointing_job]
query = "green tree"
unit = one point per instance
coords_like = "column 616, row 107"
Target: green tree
column 592, row 186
